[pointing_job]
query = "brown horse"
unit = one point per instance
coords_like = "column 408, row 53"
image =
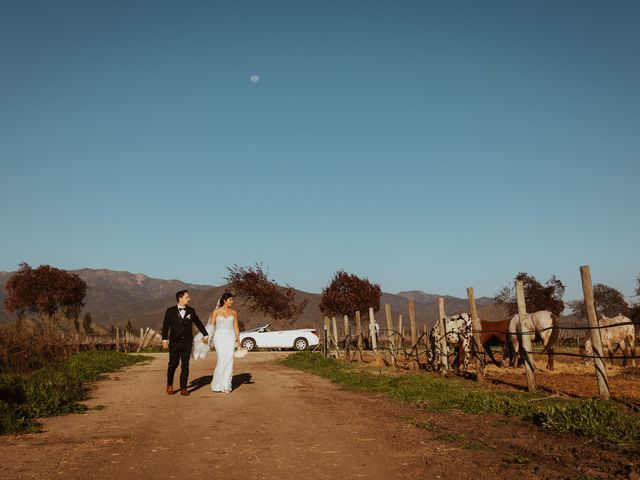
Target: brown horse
column 495, row 334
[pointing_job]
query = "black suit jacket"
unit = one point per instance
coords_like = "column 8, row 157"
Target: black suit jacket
column 176, row 329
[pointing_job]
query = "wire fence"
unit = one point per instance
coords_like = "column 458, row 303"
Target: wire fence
column 392, row 347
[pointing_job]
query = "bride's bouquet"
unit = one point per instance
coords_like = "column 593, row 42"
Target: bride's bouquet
column 240, row 353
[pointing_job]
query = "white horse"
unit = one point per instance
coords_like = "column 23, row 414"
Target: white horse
column 542, row 325
column 458, row 332
column 614, row 337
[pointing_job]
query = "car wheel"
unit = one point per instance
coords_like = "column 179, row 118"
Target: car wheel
column 249, row 344
column 300, row 344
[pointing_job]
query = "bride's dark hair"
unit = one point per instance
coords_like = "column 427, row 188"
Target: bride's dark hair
column 225, row 296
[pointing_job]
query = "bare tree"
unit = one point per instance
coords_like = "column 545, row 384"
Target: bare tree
column 263, row 294
column 348, row 293
column 45, row 291
column 537, row 296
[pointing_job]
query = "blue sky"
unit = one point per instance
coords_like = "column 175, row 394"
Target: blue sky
column 426, row 145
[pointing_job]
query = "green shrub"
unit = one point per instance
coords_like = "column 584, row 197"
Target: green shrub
column 591, row 418
column 55, row 390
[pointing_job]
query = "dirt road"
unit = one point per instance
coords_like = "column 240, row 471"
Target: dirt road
column 281, row 423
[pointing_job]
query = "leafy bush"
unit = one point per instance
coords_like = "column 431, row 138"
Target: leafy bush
column 55, row 390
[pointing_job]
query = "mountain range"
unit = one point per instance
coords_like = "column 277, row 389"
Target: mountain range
column 115, row 297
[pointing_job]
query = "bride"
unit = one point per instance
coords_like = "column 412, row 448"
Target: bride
column 226, row 338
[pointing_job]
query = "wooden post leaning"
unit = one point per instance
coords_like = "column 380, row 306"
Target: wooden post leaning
column 372, row 330
column 346, row 328
column 347, row 338
column 444, row 349
column 412, row 323
column 387, row 312
column 335, row 336
column 525, row 338
column 390, row 336
column 414, row 329
column 596, row 340
column 325, row 337
column 359, row 330
column 477, row 326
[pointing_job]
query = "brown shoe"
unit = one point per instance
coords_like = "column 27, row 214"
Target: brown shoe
column 185, row 392
column 170, row 389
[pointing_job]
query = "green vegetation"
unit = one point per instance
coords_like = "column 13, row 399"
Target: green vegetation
column 517, row 460
column 451, row 437
column 475, row 446
column 54, row 390
column 591, row 418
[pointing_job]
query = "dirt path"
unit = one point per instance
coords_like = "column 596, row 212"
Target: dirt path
column 280, row 423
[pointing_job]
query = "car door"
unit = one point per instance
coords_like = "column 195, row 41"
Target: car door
column 266, row 339
column 284, row 339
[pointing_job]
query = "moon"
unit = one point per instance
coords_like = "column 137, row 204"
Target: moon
column 254, row 78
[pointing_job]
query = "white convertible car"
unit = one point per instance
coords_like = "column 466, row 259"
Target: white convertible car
column 264, row 337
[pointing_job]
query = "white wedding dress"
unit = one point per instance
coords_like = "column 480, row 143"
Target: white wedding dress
column 224, row 340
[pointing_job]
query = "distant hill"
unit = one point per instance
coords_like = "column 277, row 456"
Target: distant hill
column 423, row 297
column 114, row 297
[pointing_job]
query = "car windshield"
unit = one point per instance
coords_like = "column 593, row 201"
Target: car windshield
column 260, row 328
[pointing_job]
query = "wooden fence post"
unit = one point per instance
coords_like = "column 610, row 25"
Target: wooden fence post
column 412, row 323
column 117, row 339
column 477, row 326
column 372, row 330
column 387, row 312
column 390, row 336
column 346, row 328
column 325, row 336
column 335, row 336
column 400, row 340
column 525, row 338
column 444, row 348
column 359, row 329
column 596, row 340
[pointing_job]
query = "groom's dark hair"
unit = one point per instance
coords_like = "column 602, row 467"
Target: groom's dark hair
column 180, row 294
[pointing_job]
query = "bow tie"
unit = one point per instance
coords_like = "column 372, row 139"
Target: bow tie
column 182, row 309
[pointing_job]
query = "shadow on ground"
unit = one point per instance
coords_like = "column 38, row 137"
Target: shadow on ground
column 237, row 381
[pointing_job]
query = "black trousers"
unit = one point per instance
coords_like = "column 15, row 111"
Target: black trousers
column 179, row 354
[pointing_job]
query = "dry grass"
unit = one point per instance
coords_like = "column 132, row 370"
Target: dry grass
column 23, row 351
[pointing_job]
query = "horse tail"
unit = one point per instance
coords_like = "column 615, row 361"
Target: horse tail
column 555, row 332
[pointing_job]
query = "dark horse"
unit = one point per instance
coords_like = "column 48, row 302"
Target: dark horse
column 496, row 334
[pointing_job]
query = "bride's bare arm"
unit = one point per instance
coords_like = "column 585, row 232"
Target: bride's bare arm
column 236, row 328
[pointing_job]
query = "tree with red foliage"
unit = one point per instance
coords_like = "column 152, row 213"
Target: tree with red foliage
column 264, row 295
column 45, row 291
column 348, row 293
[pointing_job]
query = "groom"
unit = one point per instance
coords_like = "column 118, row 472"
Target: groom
column 177, row 336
